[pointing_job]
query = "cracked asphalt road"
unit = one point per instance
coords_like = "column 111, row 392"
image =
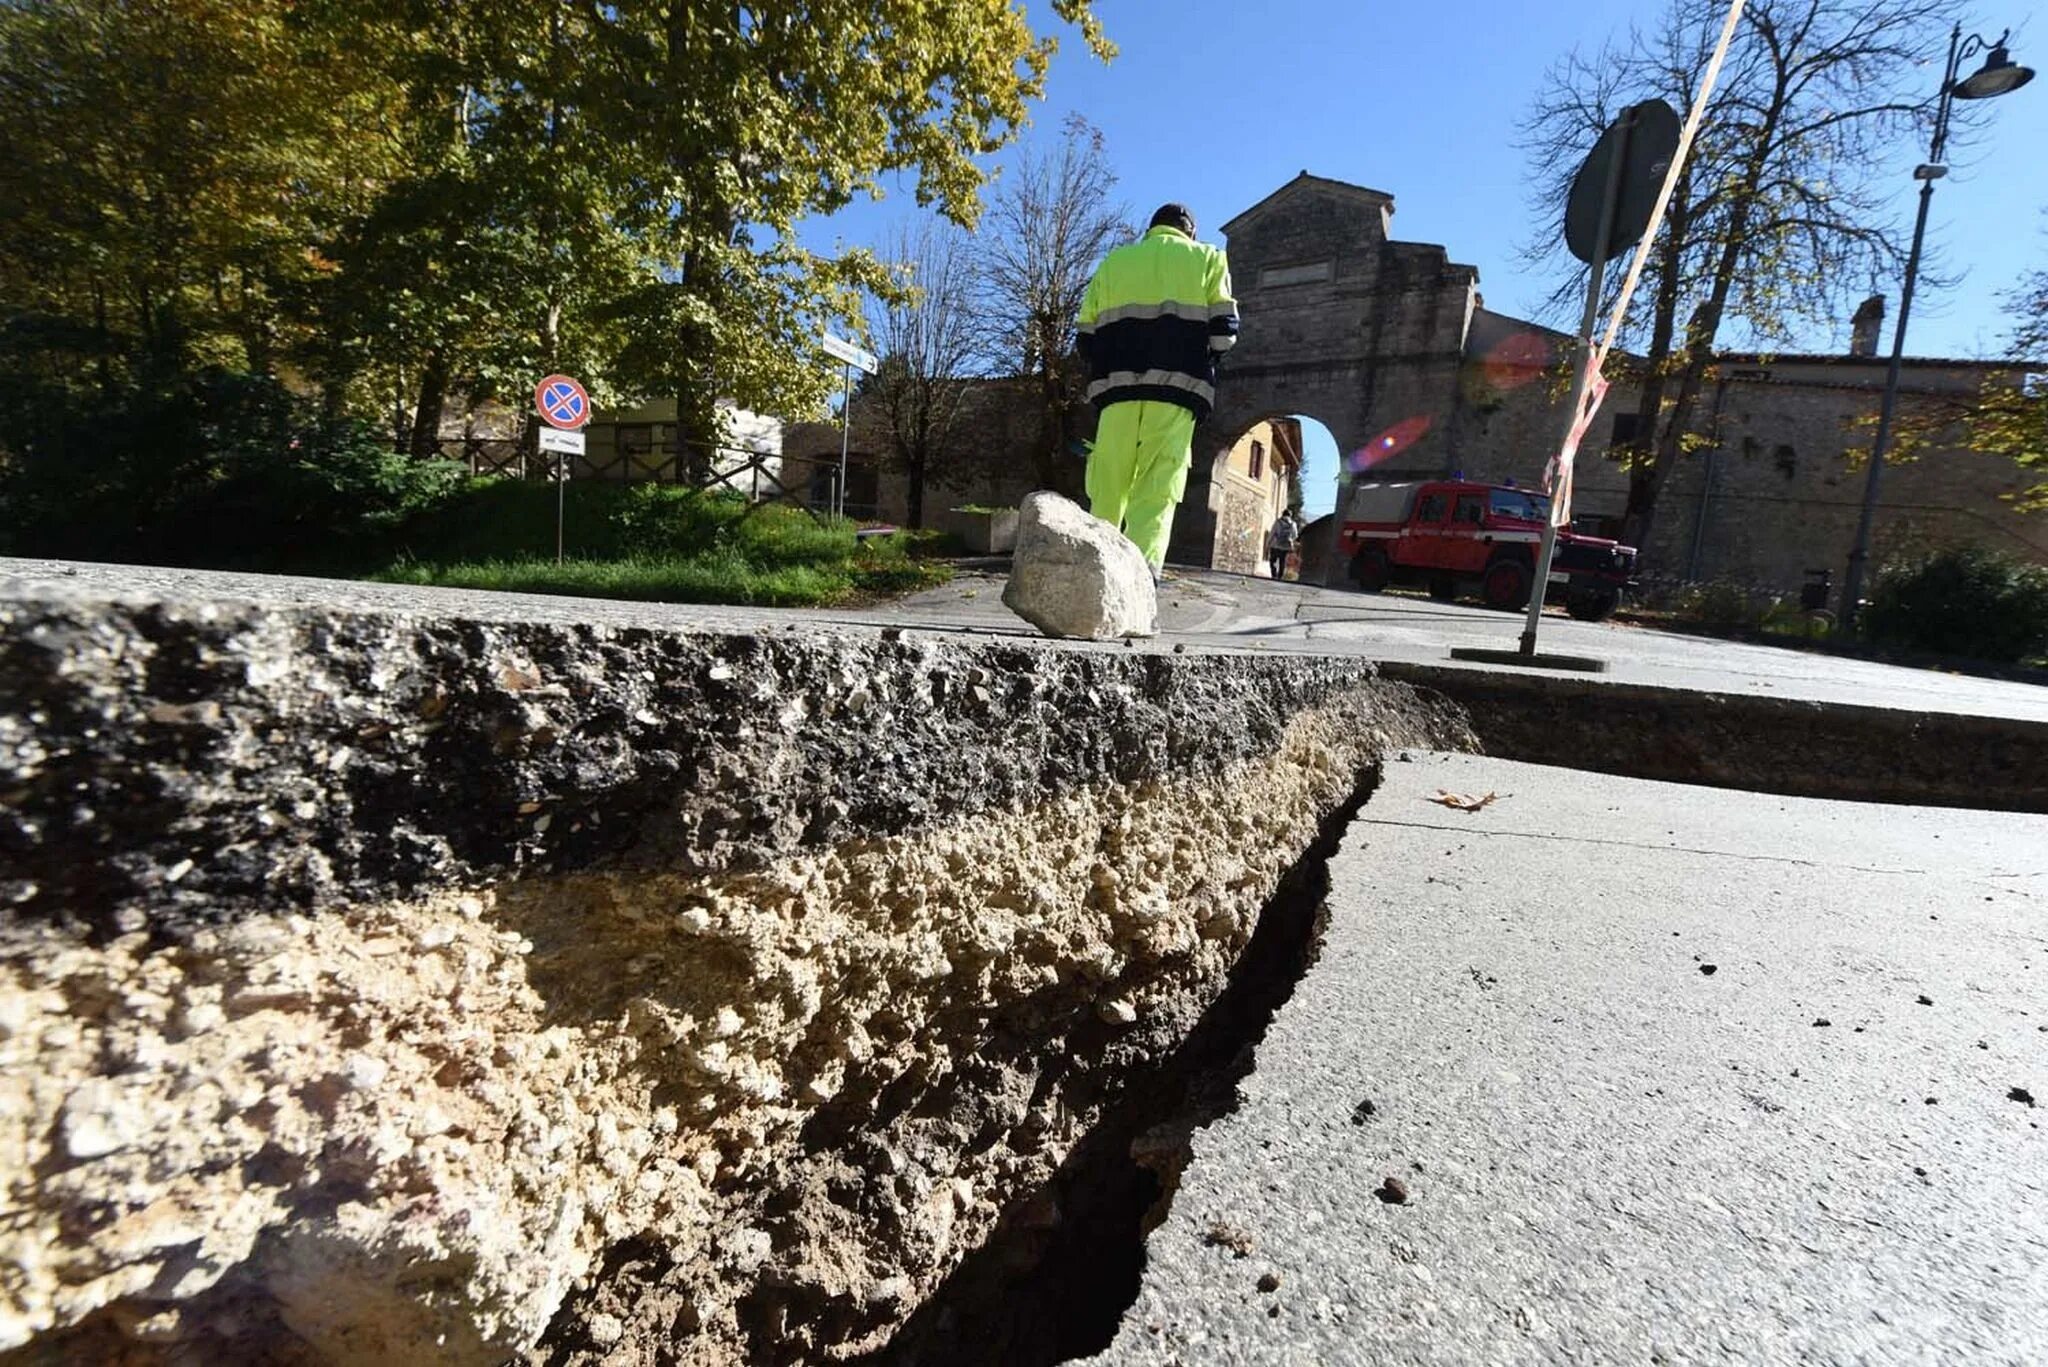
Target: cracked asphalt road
column 1199, row 610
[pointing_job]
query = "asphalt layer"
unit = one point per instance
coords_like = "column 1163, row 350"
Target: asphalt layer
column 1206, row 610
column 1665, row 1074
column 1199, row 610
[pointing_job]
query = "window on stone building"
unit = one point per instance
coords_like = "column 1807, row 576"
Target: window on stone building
column 1258, row 460
column 1786, row 459
column 1628, row 429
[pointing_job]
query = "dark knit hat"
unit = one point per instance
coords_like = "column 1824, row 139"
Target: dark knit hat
column 1174, row 216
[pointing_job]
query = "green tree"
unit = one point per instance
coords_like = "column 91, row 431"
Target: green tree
column 169, row 164
column 493, row 256
column 726, row 126
column 2011, row 418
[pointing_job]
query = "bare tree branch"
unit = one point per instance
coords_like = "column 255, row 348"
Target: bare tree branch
column 1781, row 220
column 1052, row 220
column 928, row 341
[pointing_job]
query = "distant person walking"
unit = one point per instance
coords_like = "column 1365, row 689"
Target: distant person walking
column 1156, row 318
column 1281, row 541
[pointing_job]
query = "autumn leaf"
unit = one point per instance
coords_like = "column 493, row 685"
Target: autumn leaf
column 1462, row 802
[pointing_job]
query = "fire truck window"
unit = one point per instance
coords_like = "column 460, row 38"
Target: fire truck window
column 1472, row 509
column 1514, row 503
column 1432, row 509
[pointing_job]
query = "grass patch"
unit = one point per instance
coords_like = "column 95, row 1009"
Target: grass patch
column 658, row 544
column 703, row 579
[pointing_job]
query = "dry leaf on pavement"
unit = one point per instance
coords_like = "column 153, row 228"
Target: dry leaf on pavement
column 1464, row 803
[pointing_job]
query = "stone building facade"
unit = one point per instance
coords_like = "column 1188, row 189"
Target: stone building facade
column 643, row 443
column 1389, row 344
column 1341, row 323
column 1777, row 487
column 1250, row 485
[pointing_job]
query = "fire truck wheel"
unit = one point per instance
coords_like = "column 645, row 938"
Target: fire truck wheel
column 1371, row 570
column 1506, row 585
column 1590, row 605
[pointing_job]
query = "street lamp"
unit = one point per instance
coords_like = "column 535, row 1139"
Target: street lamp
column 1998, row 76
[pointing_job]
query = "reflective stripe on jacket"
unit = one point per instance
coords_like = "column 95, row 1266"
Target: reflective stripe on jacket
column 1155, row 319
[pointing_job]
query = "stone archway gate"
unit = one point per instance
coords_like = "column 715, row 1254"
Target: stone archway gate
column 1341, row 323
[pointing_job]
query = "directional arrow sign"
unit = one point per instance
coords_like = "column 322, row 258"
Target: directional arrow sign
column 849, row 353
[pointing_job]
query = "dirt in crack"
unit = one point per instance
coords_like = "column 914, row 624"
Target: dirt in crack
column 1055, row 1279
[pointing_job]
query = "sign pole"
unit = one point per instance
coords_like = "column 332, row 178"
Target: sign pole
column 1581, row 377
column 564, row 408
column 845, row 431
column 854, row 358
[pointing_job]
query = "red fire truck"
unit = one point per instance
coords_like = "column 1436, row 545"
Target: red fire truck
column 1459, row 536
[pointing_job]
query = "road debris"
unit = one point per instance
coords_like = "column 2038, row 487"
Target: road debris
column 1465, row 803
column 1236, row 1238
column 1393, row 1191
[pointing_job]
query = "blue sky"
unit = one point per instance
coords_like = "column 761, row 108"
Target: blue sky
column 1216, row 103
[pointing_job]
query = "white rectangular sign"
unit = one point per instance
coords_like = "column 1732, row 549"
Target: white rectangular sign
column 849, row 353
column 555, row 439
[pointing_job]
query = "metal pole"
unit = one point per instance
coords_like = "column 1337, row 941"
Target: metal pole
column 845, row 427
column 1587, row 320
column 561, row 493
column 1859, row 553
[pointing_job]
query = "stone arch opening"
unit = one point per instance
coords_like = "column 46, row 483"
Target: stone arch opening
column 1252, row 475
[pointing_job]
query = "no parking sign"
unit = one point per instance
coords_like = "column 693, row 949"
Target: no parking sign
column 561, row 402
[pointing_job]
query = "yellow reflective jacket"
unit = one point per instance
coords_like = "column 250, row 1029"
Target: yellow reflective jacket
column 1155, row 319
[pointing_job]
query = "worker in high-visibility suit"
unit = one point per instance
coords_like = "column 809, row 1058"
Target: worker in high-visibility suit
column 1156, row 317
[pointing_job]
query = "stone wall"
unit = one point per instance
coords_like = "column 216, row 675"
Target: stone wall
column 447, row 978
column 992, row 462
column 1240, row 510
column 1778, row 488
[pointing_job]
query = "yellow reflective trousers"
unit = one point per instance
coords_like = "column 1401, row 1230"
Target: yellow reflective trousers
column 1139, row 470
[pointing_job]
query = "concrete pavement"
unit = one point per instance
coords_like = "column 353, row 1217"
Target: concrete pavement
column 1219, row 611
column 1670, row 1074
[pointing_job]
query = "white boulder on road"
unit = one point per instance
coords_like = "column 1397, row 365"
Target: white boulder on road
column 1074, row 575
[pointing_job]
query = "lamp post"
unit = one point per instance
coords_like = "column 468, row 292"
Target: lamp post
column 1998, row 76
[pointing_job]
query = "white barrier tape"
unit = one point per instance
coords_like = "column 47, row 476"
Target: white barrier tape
column 1558, row 477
